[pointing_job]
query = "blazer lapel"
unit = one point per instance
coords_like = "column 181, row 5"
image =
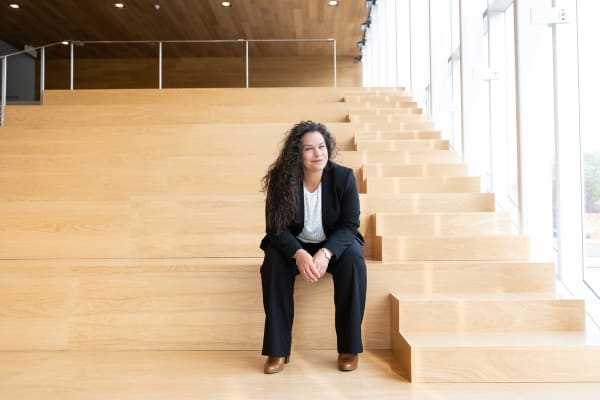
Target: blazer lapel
column 300, row 211
column 325, row 197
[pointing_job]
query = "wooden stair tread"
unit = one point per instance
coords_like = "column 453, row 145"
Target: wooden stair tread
column 478, row 297
column 538, row 339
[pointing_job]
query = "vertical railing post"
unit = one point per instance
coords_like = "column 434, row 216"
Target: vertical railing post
column 3, row 96
column 334, row 63
column 247, row 69
column 72, row 61
column 42, row 73
column 160, row 64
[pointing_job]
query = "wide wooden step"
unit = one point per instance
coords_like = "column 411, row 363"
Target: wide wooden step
column 361, row 97
column 399, row 135
column 399, row 101
column 499, row 356
column 404, row 144
column 165, row 375
column 385, row 111
column 123, row 133
column 210, row 303
column 464, row 313
column 469, row 277
column 442, row 224
column 188, row 113
column 379, row 125
column 380, row 170
column 357, row 158
column 207, row 96
column 119, row 177
column 391, row 118
column 428, row 184
column 58, row 226
column 144, row 226
column 451, row 248
column 427, row 202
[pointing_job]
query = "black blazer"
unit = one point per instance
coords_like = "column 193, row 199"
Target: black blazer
column 340, row 212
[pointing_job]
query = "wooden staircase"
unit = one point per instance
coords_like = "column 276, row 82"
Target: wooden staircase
column 130, row 220
column 468, row 333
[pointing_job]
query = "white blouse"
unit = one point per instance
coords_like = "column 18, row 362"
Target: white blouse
column 313, row 224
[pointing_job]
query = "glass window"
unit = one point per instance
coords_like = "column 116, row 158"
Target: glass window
column 485, row 95
column 503, row 121
column 589, row 86
column 454, row 80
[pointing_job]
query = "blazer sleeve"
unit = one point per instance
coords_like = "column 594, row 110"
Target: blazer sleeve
column 345, row 229
column 285, row 242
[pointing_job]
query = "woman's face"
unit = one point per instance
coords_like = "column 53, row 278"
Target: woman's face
column 314, row 152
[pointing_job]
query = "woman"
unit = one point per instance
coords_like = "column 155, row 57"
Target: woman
column 312, row 217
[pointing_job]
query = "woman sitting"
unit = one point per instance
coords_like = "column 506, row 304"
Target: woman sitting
column 312, row 217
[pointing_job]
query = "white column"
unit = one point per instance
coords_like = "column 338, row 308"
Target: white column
column 570, row 236
column 439, row 23
column 535, row 125
column 475, row 151
column 403, row 34
column 392, row 54
column 419, row 46
column 380, row 43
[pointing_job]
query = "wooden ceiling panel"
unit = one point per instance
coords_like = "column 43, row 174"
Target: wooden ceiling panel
column 41, row 22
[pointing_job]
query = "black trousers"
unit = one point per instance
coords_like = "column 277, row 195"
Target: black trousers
column 350, row 286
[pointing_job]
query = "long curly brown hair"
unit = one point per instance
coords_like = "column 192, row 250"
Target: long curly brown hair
column 283, row 180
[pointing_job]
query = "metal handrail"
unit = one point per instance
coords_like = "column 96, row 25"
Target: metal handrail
column 73, row 43
column 4, row 59
column 16, row 53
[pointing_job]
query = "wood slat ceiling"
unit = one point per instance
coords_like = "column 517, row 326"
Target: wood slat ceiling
column 39, row 22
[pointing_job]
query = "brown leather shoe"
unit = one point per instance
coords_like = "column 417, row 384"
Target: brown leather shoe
column 347, row 361
column 274, row 364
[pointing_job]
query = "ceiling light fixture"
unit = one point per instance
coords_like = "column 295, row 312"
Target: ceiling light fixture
column 65, row 43
column 226, row 4
column 120, row 5
column 14, row 5
column 333, row 3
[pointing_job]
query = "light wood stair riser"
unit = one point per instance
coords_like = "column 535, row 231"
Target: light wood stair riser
column 493, row 364
column 395, row 118
column 471, row 278
column 393, row 126
column 358, row 158
column 399, row 135
column 379, row 99
column 379, row 170
column 416, row 203
column 127, row 114
column 451, row 248
column 206, row 96
column 383, row 101
column 427, row 184
column 489, row 315
column 395, row 145
column 441, row 224
column 384, row 111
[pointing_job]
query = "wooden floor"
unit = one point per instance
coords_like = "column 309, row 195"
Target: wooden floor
column 238, row 375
